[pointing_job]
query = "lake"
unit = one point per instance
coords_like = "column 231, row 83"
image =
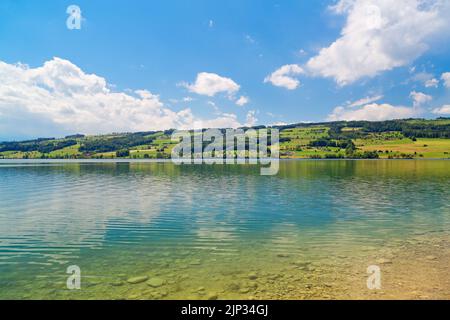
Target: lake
column 151, row 230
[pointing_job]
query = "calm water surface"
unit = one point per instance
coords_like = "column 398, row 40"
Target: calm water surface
column 210, row 231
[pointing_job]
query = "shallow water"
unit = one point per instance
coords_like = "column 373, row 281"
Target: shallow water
column 207, row 232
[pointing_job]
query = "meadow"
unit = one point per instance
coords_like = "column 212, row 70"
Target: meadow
column 397, row 139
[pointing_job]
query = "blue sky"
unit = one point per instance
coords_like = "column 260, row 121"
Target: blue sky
column 215, row 63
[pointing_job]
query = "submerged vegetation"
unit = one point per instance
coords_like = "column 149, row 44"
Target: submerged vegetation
column 404, row 139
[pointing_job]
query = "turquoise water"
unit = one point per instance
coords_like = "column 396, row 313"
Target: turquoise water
column 209, row 231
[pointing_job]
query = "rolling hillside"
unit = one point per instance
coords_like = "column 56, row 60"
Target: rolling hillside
column 407, row 139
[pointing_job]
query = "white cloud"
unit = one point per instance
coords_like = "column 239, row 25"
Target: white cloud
column 365, row 101
column 373, row 112
column 60, row 98
column 210, row 84
column 432, row 83
column 278, row 124
column 223, row 120
column 444, row 110
column 184, row 100
column 421, row 76
column 426, row 78
column 242, row 101
column 420, row 98
column 380, row 35
column 446, row 78
column 285, row 76
column 251, row 119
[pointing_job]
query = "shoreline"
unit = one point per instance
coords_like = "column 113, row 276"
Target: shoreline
column 241, row 162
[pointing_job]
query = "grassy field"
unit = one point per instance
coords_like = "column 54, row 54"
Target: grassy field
column 294, row 143
column 406, row 139
column 422, row 148
column 66, row 152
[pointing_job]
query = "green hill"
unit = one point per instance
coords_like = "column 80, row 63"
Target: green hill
column 411, row 138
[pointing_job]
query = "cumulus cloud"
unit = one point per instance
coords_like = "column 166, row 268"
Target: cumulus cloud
column 59, row 98
column 432, row 83
column 285, row 77
column 223, row 120
column 373, row 112
column 446, row 78
column 251, row 118
column 380, row 35
column 443, row 111
column 210, row 84
column 420, row 98
column 242, row 101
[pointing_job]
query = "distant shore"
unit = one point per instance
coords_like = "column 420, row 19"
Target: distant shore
column 37, row 161
column 396, row 139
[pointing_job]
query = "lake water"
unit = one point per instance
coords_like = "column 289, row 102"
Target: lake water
column 207, row 232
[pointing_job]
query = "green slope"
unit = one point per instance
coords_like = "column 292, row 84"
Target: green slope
column 412, row 138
